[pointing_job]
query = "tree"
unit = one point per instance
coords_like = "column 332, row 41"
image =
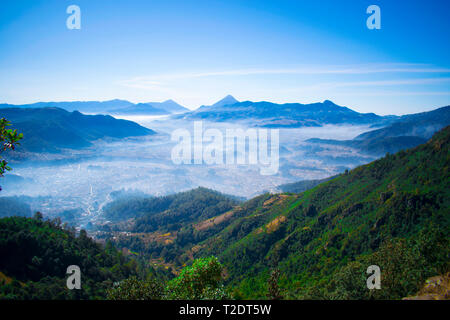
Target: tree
column 38, row 216
column 201, row 280
column 9, row 139
column 134, row 289
column 274, row 292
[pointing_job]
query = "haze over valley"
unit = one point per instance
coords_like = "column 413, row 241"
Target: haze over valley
column 76, row 176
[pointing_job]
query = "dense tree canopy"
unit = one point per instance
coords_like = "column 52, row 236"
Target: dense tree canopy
column 36, row 253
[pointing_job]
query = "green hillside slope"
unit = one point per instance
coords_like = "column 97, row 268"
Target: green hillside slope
column 393, row 212
column 35, row 255
column 164, row 228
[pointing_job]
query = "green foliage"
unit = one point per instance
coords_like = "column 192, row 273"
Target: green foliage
column 302, row 186
column 274, row 292
column 378, row 214
column 135, row 289
column 37, row 252
column 201, row 280
column 175, row 214
column 392, row 213
column 405, row 264
column 9, row 139
column 169, row 212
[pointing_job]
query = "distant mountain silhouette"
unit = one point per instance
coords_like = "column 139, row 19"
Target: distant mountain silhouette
column 109, row 107
column 375, row 146
column 269, row 114
column 228, row 100
column 140, row 108
column 82, row 106
column 423, row 125
column 151, row 108
column 302, row 185
column 169, row 105
column 51, row 129
column 407, row 132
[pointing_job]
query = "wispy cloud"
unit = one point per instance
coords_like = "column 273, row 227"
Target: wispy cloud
column 378, row 83
column 398, row 93
column 159, row 80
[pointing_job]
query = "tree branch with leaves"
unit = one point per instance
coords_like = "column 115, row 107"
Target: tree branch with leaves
column 9, row 139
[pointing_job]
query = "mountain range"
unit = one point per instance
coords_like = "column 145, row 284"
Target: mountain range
column 151, row 108
column 52, row 129
column 268, row 114
column 321, row 236
column 423, row 124
column 396, row 132
column 406, row 132
column 116, row 106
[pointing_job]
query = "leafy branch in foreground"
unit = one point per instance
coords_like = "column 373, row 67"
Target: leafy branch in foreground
column 201, row 280
column 9, row 139
column 135, row 289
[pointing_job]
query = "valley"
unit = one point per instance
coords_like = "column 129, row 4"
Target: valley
column 378, row 213
column 332, row 204
column 82, row 180
column 157, row 154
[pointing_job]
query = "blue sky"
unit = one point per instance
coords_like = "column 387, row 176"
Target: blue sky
column 196, row 52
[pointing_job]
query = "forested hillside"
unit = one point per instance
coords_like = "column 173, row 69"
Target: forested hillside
column 303, row 185
column 169, row 212
column 392, row 212
column 162, row 228
column 35, row 255
column 317, row 244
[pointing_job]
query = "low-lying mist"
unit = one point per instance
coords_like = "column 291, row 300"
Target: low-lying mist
column 81, row 182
